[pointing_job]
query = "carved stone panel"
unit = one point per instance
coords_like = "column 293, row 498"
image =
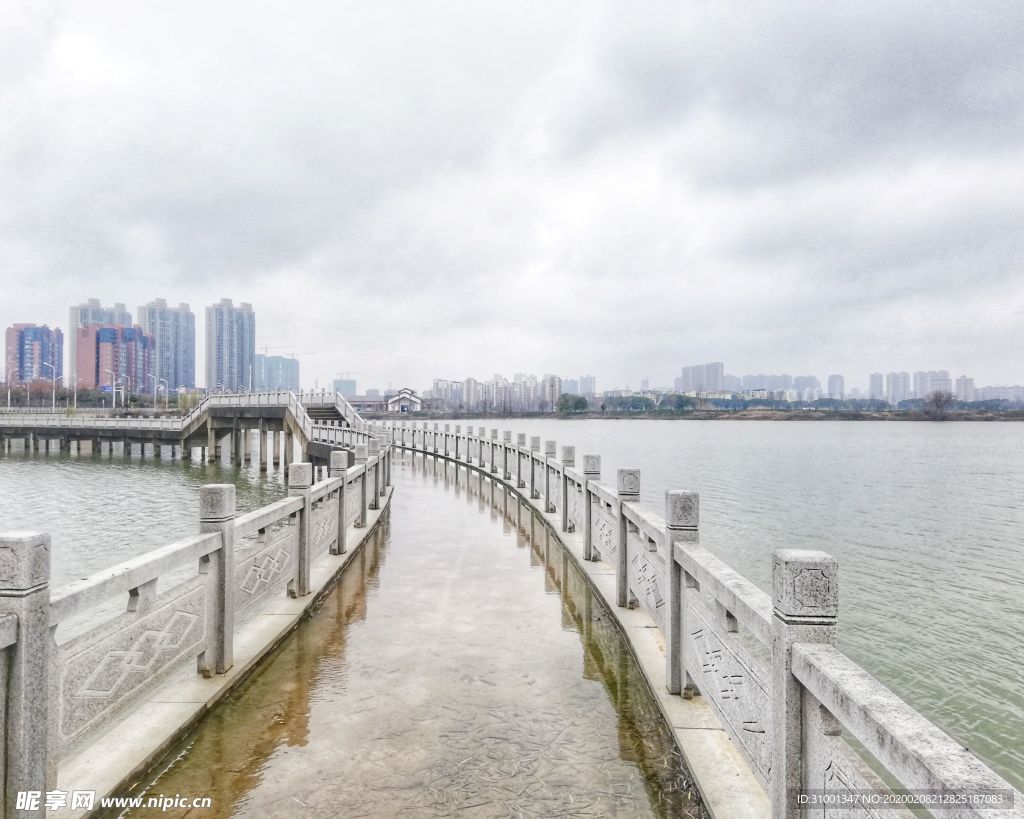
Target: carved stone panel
column 734, row 687
column 103, row 668
column 323, row 529
column 265, row 569
column 646, row 580
column 605, row 536
column 575, row 512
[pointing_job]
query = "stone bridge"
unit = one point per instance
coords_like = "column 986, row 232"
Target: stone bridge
column 762, row 704
column 281, row 419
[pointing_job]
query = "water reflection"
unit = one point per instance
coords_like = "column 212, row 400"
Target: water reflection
column 450, row 678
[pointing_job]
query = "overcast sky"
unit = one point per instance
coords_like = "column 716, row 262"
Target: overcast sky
column 423, row 189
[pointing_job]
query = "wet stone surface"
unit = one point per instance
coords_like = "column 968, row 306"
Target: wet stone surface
column 461, row 667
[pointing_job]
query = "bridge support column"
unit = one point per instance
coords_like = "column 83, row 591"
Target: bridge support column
column 277, row 447
column 211, row 440
column 805, row 592
column 289, row 446
column 591, row 472
column 236, row 444
column 339, row 469
column 300, row 479
column 568, row 460
column 217, row 514
column 186, row 450
column 29, row 728
column 263, row 446
column 628, row 486
column 682, row 515
column 157, row 450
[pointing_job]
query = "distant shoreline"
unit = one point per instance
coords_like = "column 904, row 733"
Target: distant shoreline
column 716, row 415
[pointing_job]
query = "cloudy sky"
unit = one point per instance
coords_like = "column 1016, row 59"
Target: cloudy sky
column 419, row 189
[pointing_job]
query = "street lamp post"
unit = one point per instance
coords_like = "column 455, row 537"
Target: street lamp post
column 113, row 389
column 167, row 388
column 155, row 390
column 53, row 370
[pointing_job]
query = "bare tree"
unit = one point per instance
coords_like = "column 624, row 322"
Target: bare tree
column 936, row 403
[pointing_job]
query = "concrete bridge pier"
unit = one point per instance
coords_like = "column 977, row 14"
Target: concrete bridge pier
column 277, row 447
column 247, row 445
column 211, row 441
column 263, row 446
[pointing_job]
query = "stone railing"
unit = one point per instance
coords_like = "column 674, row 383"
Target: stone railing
column 186, row 602
column 766, row 663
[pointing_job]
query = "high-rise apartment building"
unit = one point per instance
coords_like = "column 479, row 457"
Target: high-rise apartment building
column 836, row 387
column 588, row 386
column 701, row 378
column 230, row 347
column 876, row 387
column 897, row 387
column 925, row 383
column 345, row 386
column 571, row 386
column 113, row 356
column 277, row 372
column 32, row 352
column 550, row 392
column 91, row 312
column 173, row 329
column 965, row 389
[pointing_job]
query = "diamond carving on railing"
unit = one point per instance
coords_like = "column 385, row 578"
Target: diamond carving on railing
column 263, row 572
column 141, row 657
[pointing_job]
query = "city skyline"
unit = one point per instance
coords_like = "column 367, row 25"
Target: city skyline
column 672, row 188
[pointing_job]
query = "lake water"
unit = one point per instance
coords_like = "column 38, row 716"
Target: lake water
column 926, row 520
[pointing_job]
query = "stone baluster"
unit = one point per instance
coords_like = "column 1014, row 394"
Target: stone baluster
column 300, row 479
column 682, row 516
column 458, row 441
column 534, row 447
column 493, row 459
column 27, row 719
column 591, row 472
column 628, row 489
column 361, row 452
column 217, row 514
column 805, row 603
column 568, row 459
column 339, row 469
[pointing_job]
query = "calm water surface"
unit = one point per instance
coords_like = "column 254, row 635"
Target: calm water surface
column 460, row 667
column 926, row 520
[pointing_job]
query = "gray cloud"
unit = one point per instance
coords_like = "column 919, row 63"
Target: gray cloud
column 798, row 187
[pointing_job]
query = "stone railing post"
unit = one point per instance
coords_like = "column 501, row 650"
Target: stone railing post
column 568, row 459
column 436, row 428
column 217, row 514
column 374, row 452
column 520, row 446
column 300, row 479
column 534, row 447
column 360, row 454
column 458, row 442
column 682, row 516
column 628, row 489
column 28, row 722
column 805, row 602
column 591, row 472
column 339, row 469
column 550, row 450
column 493, row 467
column 506, row 445
column 447, row 427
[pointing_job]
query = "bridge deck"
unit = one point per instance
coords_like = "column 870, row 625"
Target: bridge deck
column 460, row 666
